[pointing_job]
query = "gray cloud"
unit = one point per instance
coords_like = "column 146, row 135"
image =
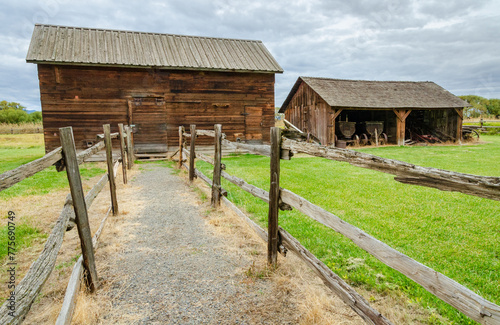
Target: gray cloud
column 454, row 43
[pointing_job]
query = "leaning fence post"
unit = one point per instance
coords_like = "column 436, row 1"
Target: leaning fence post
column 192, row 153
column 130, row 148
column 274, row 195
column 216, row 187
column 181, row 141
column 111, row 174
column 122, row 151
column 81, row 217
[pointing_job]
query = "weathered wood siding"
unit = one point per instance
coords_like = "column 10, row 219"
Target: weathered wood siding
column 88, row 97
column 309, row 112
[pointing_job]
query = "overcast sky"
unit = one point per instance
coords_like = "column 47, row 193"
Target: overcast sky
column 454, row 43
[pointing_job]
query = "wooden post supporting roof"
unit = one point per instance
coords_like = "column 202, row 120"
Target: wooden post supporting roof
column 460, row 119
column 333, row 116
column 401, row 114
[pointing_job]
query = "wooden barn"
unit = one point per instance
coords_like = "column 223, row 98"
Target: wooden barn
column 330, row 109
column 156, row 82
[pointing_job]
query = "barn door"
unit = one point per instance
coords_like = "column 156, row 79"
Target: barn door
column 253, row 123
column 149, row 118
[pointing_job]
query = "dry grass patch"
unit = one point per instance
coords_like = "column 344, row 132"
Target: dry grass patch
column 47, row 306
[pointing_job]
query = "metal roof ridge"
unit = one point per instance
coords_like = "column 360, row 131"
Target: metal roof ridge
column 150, row 33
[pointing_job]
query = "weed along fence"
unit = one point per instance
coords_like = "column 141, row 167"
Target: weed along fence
column 74, row 211
column 279, row 240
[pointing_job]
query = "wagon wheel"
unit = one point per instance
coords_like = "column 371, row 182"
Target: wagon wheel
column 470, row 135
column 382, row 140
column 356, row 140
column 364, row 139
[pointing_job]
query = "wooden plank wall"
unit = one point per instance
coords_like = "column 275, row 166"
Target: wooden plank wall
column 309, row 112
column 88, row 97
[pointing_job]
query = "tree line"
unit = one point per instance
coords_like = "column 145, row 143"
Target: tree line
column 481, row 106
column 15, row 113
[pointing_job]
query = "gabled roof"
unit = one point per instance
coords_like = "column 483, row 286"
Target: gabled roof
column 102, row 47
column 378, row 94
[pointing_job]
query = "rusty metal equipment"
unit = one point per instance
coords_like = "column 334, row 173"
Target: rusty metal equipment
column 346, row 131
column 373, row 129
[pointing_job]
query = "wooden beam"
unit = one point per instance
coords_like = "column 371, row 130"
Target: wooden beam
column 274, row 196
column 122, row 151
column 401, row 115
column 205, row 158
column 109, row 161
column 82, row 221
column 333, row 281
column 129, row 112
column 460, row 119
column 333, row 116
column 89, row 198
column 216, row 182
column 130, row 148
column 263, row 150
column 16, row 175
column 482, row 186
column 192, row 154
column 208, row 133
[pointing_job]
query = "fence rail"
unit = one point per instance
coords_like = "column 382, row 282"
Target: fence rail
column 65, row 158
column 448, row 290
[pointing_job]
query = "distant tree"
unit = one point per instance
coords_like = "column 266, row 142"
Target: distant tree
column 481, row 106
column 14, row 116
column 36, row 117
column 494, row 107
column 15, row 113
column 478, row 105
column 10, row 105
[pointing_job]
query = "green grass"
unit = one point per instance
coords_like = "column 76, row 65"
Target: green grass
column 453, row 233
column 24, row 235
column 16, row 150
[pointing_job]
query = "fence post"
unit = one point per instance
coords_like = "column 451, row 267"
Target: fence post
column 192, row 153
column 122, row 150
column 274, row 195
column 130, row 148
column 82, row 221
column 181, row 141
column 216, row 188
column 111, row 174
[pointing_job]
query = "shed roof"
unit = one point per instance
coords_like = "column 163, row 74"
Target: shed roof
column 103, row 47
column 362, row 94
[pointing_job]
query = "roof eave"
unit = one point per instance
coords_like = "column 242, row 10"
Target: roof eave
column 150, row 67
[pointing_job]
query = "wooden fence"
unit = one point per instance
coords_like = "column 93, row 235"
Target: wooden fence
column 279, row 240
column 74, row 210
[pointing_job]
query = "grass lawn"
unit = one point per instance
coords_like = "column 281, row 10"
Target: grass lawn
column 455, row 234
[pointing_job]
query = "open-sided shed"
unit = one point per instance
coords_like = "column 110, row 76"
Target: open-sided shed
column 90, row 77
column 316, row 105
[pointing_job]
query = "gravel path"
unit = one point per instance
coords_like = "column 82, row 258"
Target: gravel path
column 176, row 271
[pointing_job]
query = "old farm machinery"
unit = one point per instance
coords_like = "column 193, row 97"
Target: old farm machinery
column 361, row 133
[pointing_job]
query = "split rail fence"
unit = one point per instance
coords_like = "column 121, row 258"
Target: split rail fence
column 279, row 240
column 74, row 211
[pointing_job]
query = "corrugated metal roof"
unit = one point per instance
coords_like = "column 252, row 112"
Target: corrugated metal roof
column 90, row 46
column 379, row 94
